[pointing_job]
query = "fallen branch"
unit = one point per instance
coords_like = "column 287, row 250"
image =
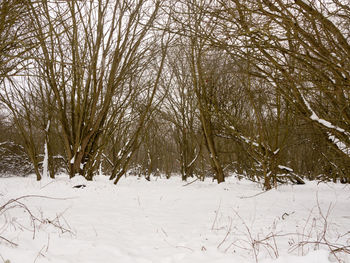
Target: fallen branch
column 18, row 203
column 263, row 192
column 191, row 182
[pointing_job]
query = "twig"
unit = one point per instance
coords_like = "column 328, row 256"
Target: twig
column 39, row 254
column 31, row 196
column 10, row 242
column 46, row 184
column 191, row 182
column 48, row 243
column 17, row 203
column 244, row 197
column 185, row 248
column 251, row 240
column 166, row 241
column 216, row 216
column 227, row 234
column 165, row 233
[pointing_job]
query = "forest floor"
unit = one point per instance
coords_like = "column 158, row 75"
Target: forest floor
column 163, row 221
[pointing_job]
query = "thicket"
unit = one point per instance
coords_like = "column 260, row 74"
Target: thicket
column 201, row 88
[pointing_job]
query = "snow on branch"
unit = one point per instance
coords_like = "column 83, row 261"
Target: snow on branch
column 340, row 145
column 247, row 140
column 325, row 123
column 288, row 169
column 194, row 159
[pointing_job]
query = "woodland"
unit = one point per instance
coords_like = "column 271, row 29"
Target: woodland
column 206, row 88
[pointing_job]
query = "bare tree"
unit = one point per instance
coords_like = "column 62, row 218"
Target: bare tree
column 299, row 49
column 92, row 55
column 180, row 110
column 305, row 47
column 23, row 109
column 197, row 52
column 14, row 37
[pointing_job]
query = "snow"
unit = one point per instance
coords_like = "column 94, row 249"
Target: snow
column 100, row 170
column 48, row 126
column 325, row 123
column 341, row 145
column 46, row 161
column 194, row 159
column 166, row 222
column 285, row 168
column 248, row 141
column 46, row 154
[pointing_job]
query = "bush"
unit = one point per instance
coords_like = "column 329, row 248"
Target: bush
column 13, row 160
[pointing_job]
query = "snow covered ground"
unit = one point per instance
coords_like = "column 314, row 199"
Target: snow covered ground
column 163, row 221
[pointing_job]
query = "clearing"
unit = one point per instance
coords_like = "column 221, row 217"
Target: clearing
column 163, row 221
